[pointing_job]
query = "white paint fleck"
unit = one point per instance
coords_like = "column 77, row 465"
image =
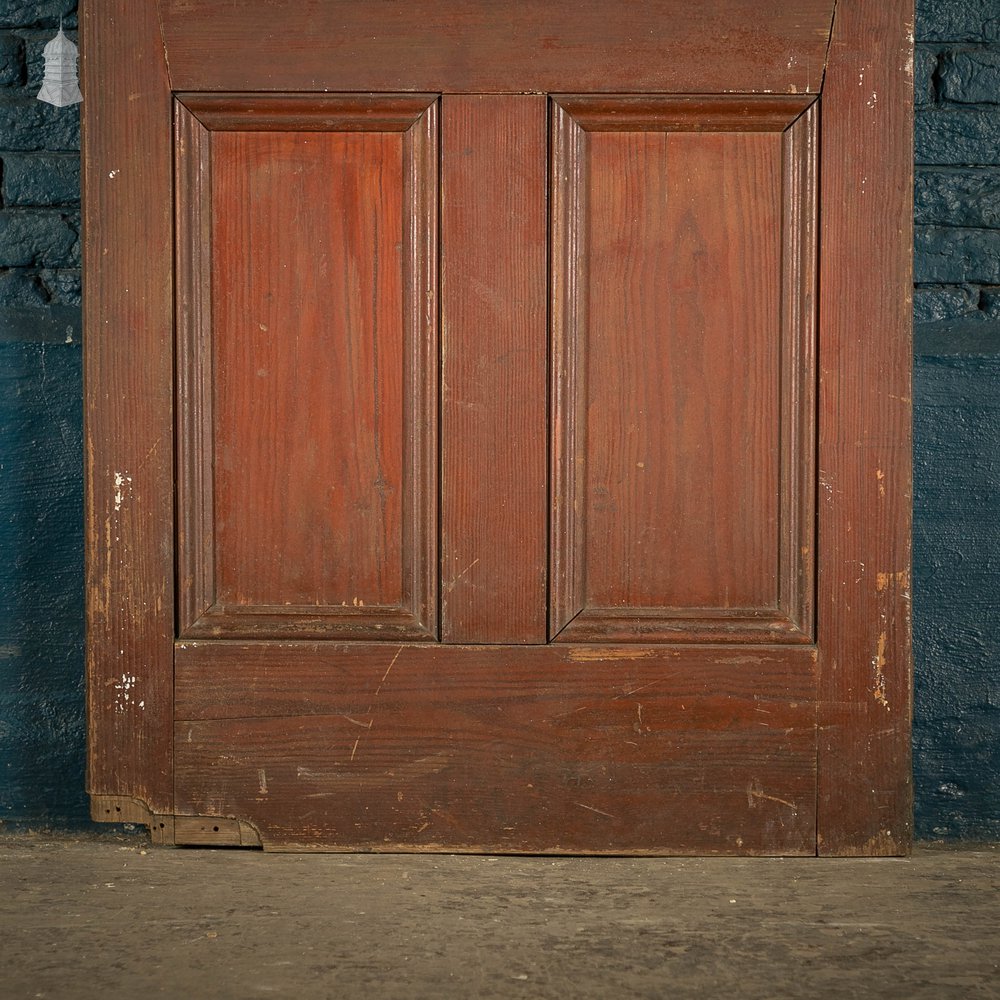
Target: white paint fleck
column 113, row 174
column 873, row 100
column 123, row 484
column 124, row 691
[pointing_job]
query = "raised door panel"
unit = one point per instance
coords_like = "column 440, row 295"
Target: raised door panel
column 541, row 749
column 684, row 266
column 307, row 366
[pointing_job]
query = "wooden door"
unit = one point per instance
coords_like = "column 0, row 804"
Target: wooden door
column 498, row 424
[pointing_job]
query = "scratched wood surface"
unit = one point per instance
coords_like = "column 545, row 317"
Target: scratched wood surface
column 524, row 748
column 128, row 404
column 679, row 409
column 618, row 746
column 467, row 46
column 493, row 369
column 307, row 430
column 865, row 802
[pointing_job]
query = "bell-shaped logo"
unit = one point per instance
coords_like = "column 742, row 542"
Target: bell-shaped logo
column 60, row 85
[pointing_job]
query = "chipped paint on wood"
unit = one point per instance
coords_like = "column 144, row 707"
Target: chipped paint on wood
column 878, row 668
column 586, row 654
column 900, row 579
column 123, row 488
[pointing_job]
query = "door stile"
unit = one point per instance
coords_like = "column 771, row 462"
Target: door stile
column 865, row 786
column 128, row 411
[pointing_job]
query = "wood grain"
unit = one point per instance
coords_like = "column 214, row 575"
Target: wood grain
column 308, row 420
column 307, row 112
column 195, row 414
column 231, row 680
column 467, row 46
column 694, row 113
column 493, row 374
column 128, row 405
column 622, row 749
column 865, row 800
column 797, row 555
column 704, row 742
column 683, row 417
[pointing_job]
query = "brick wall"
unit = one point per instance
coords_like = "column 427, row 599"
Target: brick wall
column 957, row 419
column 42, row 722
column 957, row 184
column 39, row 183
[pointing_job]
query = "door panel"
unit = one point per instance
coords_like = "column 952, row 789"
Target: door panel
column 519, row 748
column 683, row 328
column 307, row 354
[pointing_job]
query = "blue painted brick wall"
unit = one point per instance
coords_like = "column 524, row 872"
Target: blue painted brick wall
column 42, row 722
column 957, row 419
column 956, row 423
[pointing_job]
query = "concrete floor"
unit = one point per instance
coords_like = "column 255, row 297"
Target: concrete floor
column 82, row 918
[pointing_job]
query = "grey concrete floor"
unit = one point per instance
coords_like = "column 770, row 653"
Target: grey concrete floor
column 89, row 917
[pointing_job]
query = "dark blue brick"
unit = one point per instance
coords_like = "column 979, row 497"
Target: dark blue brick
column 11, row 60
column 932, row 303
column 946, row 256
column 39, row 238
column 27, row 123
column 957, row 197
column 971, row 335
column 41, row 179
column 21, row 287
column 43, row 13
column 925, row 61
column 957, row 21
column 957, row 137
column 45, row 324
column 64, row 287
column 989, row 302
column 971, row 77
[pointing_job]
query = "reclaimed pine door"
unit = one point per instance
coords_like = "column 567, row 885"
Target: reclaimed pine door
column 497, row 424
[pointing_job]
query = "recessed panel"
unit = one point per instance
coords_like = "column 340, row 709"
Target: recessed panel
column 309, row 366
column 683, row 300
column 682, row 379
column 308, row 384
